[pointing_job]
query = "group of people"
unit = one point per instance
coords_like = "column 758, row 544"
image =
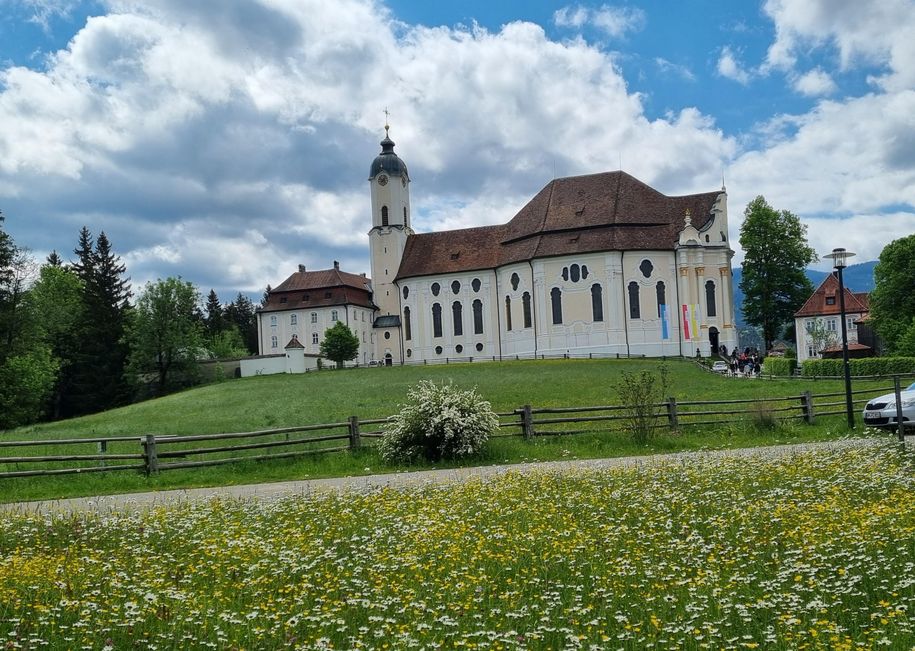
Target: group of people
column 745, row 364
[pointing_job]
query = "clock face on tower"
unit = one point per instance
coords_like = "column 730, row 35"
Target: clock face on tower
column 382, row 180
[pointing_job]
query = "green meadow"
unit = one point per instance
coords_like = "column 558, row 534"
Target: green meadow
column 331, row 396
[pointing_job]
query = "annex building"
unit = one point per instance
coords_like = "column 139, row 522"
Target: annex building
column 599, row 264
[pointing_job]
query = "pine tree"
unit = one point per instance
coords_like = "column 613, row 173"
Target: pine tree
column 98, row 373
column 214, row 320
column 266, row 296
column 243, row 316
column 54, row 260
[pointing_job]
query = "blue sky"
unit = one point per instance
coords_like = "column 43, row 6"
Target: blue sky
column 227, row 142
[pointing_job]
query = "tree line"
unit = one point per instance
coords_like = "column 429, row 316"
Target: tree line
column 73, row 343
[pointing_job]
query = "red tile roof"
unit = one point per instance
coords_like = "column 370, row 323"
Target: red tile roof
column 855, row 303
column 326, row 287
column 612, row 211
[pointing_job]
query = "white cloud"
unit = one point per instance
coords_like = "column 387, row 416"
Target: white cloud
column 613, row 21
column 730, row 68
column 863, row 33
column 815, row 83
column 669, row 67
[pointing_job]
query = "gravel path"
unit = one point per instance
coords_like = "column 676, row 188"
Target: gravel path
column 107, row 503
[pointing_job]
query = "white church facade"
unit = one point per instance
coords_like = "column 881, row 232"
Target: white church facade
column 599, row 264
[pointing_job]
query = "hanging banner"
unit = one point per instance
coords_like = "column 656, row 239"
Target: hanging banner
column 690, row 321
column 665, row 330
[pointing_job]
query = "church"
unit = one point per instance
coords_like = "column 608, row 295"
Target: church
column 600, row 265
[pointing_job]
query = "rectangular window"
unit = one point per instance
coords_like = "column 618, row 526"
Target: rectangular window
column 314, row 317
column 273, row 342
column 831, row 325
column 333, row 315
column 293, row 319
column 273, row 321
column 314, row 338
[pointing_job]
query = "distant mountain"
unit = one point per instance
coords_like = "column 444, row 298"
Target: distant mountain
column 857, row 277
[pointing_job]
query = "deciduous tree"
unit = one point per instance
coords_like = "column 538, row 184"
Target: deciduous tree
column 775, row 256
column 892, row 302
column 164, row 337
column 339, row 344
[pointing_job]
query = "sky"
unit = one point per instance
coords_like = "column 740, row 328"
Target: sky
column 228, row 141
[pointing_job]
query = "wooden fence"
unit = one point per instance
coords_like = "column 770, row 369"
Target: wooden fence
column 152, row 453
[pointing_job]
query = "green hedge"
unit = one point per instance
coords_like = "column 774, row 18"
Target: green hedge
column 866, row 366
column 779, row 365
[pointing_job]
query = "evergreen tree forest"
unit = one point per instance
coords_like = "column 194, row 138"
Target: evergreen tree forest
column 74, row 340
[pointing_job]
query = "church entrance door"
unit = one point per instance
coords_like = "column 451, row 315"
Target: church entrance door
column 713, row 341
column 388, row 360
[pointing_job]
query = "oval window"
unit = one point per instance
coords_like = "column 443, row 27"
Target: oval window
column 479, row 348
column 406, row 292
column 646, row 268
column 459, row 349
column 515, row 282
column 438, row 350
column 409, row 352
column 574, row 273
column 436, row 288
column 476, row 284
column 455, row 287
column 584, row 272
column 387, row 334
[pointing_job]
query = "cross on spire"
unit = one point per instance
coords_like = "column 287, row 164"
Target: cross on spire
column 386, row 116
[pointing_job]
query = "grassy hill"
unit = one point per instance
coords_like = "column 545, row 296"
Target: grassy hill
column 331, row 396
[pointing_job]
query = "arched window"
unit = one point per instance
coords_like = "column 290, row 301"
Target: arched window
column 526, row 308
column 597, row 303
column 384, row 215
column 458, row 318
column 710, row 298
column 556, row 299
column 436, row 320
column 508, row 313
column 478, row 317
column 407, row 328
column 515, row 281
column 634, row 310
column 662, row 295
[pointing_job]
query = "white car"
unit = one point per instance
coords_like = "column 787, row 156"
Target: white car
column 720, row 367
column 881, row 412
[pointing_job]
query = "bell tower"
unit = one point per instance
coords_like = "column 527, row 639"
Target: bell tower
column 390, row 189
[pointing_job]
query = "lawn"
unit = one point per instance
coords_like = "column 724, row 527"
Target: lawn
column 332, row 396
column 811, row 550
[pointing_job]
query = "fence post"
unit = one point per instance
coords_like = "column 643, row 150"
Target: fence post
column 150, row 458
column 354, row 440
column 807, row 407
column 672, row 419
column 102, row 449
column 900, row 426
column 527, row 422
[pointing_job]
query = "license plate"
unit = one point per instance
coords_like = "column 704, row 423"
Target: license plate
column 872, row 414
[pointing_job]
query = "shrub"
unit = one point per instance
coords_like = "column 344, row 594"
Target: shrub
column 438, row 422
column 866, row 366
column 640, row 395
column 763, row 415
column 779, row 365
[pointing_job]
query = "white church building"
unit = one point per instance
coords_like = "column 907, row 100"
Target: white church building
column 598, row 264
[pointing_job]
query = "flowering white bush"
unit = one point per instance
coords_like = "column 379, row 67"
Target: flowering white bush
column 438, row 422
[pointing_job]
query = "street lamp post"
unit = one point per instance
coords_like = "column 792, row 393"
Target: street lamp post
column 839, row 259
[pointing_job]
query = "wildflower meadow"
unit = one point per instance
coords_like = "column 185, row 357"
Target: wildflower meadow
column 808, row 550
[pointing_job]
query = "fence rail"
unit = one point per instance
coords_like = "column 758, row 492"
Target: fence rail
column 169, row 452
